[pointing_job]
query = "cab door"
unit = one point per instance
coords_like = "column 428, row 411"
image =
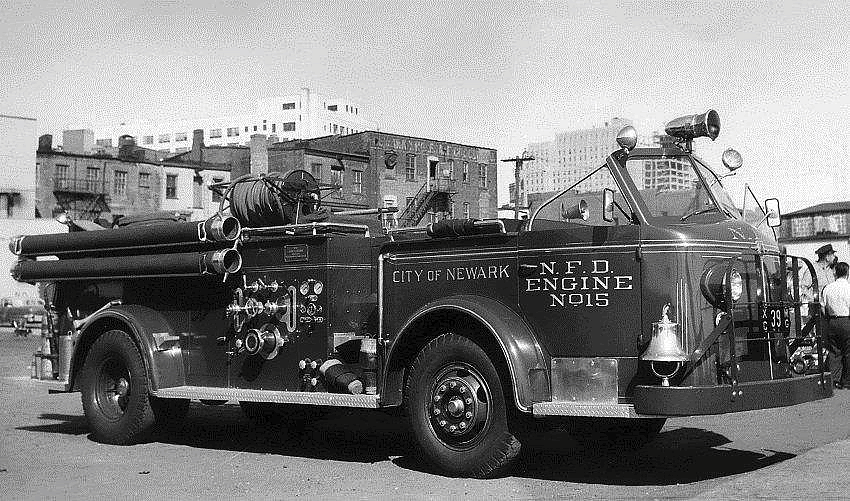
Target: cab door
column 579, row 276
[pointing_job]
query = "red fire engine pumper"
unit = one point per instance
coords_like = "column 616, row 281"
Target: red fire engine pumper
column 639, row 292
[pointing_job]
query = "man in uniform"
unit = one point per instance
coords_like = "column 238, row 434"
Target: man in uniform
column 836, row 304
column 824, row 265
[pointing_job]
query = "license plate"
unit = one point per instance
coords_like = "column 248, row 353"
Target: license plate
column 774, row 319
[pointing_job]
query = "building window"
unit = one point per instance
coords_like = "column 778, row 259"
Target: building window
column 255, row 128
column 246, row 128
column 171, row 186
column 466, row 210
column 180, row 136
column 61, row 179
column 92, row 178
column 215, row 133
column 164, row 138
column 288, row 126
column 482, row 176
column 264, row 125
column 408, row 202
column 465, row 177
column 119, row 184
column 336, row 128
column 337, row 178
column 410, row 168
column 144, row 181
column 357, row 182
column 288, row 106
column 316, row 170
column 233, row 131
column 105, row 143
column 451, row 209
column 274, row 126
column 216, row 194
column 332, row 107
column 147, row 140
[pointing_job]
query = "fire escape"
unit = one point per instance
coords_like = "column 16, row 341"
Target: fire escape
column 435, row 195
column 81, row 198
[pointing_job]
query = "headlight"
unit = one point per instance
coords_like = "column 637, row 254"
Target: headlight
column 713, row 285
column 736, row 283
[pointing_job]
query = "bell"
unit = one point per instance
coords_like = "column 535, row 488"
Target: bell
column 665, row 347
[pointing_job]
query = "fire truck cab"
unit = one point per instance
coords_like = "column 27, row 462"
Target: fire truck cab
column 617, row 304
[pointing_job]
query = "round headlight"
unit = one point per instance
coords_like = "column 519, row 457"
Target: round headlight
column 736, row 284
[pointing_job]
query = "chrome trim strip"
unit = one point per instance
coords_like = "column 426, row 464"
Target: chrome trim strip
column 274, row 396
column 589, row 410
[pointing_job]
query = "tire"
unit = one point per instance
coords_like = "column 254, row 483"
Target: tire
column 615, row 433
column 457, row 409
column 114, row 390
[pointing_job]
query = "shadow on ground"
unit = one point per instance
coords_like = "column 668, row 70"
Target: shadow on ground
column 681, row 455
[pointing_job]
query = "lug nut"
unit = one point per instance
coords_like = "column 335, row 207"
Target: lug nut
column 436, row 398
column 436, row 412
column 453, row 384
column 468, row 401
column 461, row 389
column 442, row 423
column 442, row 388
column 468, row 414
column 452, row 428
column 462, row 425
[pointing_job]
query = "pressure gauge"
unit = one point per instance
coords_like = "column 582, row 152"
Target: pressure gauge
column 311, row 309
column 305, row 289
column 318, row 287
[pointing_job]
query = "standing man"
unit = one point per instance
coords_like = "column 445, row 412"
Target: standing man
column 824, row 266
column 836, row 304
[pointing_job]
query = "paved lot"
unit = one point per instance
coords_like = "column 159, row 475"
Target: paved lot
column 46, row 452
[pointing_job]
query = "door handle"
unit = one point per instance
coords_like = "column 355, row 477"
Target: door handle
column 528, row 269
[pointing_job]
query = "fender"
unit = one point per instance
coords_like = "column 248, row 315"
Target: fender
column 527, row 362
column 154, row 336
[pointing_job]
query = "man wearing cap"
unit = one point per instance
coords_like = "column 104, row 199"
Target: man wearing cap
column 836, row 306
column 824, row 266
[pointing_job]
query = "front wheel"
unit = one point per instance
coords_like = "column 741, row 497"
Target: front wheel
column 457, row 409
column 114, row 390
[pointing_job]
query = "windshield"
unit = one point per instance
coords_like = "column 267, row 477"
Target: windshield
column 681, row 190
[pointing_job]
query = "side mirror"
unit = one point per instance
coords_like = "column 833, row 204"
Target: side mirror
column 774, row 216
column 608, row 205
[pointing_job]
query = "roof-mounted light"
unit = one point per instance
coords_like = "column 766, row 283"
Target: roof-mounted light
column 627, row 138
column 689, row 127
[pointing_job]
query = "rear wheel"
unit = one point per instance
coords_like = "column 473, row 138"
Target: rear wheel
column 457, row 409
column 115, row 390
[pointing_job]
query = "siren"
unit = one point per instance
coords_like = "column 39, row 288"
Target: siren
column 689, row 127
column 578, row 211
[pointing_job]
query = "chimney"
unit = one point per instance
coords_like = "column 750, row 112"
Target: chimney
column 197, row 142
column 259, row 153
column 45, row 143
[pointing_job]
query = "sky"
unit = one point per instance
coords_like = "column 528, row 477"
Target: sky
column 494, row 74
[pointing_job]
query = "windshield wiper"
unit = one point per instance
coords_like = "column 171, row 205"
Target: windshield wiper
column 701, row 211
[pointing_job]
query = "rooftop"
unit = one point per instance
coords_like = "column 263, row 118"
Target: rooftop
column 824, row 208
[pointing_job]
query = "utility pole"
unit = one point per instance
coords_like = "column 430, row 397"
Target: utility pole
column 525, row 157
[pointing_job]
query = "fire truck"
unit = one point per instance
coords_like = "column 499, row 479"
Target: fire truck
column 638, row 293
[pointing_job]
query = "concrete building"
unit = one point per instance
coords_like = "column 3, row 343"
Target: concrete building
column 303, row 114
column 569, row 157
column 807, row 229
column 426, row 179
column 17, row 167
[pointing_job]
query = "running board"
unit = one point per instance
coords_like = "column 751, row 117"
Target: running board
column 277, row 397
column 589, row 410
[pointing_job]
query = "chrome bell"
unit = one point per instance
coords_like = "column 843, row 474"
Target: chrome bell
column 665, row 350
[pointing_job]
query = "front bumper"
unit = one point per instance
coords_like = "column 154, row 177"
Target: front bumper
column 698, row 400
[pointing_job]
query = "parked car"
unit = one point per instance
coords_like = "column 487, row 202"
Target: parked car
column 24, row 314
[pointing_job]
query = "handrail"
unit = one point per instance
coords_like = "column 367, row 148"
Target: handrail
column 314, row 228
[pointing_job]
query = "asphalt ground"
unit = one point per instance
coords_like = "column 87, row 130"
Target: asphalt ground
column 46, row 452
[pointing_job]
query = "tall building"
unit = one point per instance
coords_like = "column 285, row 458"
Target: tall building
column 568, row 158
column 664, row 175
column 17, row 167
column 301, row 115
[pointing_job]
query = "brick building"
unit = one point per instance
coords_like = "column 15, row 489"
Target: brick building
column 426, row 179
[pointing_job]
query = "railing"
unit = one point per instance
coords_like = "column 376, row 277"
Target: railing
column 96, row 186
